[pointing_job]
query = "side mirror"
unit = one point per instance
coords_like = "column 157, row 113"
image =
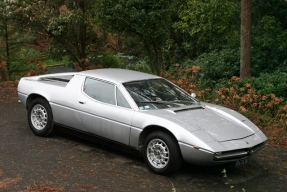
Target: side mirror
column 193, row 95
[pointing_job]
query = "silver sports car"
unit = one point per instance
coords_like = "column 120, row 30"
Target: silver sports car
column 142, row 112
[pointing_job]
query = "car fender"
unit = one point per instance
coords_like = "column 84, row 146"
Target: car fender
column 143, row 121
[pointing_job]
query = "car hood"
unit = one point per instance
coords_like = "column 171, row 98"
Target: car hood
column 220, row 123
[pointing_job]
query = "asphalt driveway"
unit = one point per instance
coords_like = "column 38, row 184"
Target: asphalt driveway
column 65, row 163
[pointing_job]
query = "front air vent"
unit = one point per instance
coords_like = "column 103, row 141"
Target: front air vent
column 235, row 154
column 188, row 109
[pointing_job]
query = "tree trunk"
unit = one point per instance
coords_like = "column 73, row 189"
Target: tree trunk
column 245, row 40
column 4, row 66
column 7, row 46
column 3, row 71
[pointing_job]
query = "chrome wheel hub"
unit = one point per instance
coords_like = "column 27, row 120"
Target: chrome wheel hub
column 39, row 117
column 158, row 153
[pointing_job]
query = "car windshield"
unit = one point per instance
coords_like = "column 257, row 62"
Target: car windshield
column 157, row 94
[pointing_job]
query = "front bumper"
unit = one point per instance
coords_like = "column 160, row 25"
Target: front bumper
column 235, row 154
column 224, row 152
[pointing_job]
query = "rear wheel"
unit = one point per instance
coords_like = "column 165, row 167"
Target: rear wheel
column 161, row 153
column 40, row 118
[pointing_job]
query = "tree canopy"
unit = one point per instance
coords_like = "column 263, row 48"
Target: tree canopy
column 210, row 24
column 148, row 20
column 71, row 25
column 163, row 31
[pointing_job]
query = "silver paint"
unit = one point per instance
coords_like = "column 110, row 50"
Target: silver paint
column 202, row 130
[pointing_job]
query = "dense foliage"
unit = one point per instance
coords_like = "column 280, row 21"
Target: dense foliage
column 71, row 25
column 160, row 33
column 210, row 24
column 204, row 33
column 11, row 36
column 194, row 43
column 269, row 43
column 149, row 21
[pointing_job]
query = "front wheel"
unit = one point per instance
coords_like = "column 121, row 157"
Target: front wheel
column 161, row 153
column 40, row 118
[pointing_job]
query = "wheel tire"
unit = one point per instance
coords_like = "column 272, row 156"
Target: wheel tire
column 40, row 118
column 161, row 153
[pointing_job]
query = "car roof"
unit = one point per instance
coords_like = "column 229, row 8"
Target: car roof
column 118, row 75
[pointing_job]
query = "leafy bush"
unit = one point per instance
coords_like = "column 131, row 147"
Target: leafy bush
column 111, row 61
column 141, row 65
column 268, row 47
column 216, row 65
column 185, row 78
column 51, row 62
column 270, row 83
column 106, row 61
column 22, row 58
column 243, row 97
column 268, row 111
column 27, row 53
column 36, row 68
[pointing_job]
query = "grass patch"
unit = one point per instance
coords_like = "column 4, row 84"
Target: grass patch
column 51, row 62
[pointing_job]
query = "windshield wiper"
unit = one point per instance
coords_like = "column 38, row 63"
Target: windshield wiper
column 169, row 102
column 165, row 102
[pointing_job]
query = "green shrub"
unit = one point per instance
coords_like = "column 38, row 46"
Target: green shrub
column 28, row 54
column 268, row 47
column 141, row 65
column 111, row 61
column 107, row 61
column 265, row 84
column 24, row 56
column 215, row 66
column 270, row 84
column 51, row 62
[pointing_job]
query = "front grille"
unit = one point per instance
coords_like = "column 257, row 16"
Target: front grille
column 235, row 154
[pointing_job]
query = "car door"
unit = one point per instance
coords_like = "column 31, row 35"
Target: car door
column 104, row 111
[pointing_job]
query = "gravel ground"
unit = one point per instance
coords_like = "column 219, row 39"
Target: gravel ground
column 64, row 163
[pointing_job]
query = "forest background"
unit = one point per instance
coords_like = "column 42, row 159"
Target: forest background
column 193, row 43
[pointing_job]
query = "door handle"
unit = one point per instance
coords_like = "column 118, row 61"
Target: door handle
column 82, row 102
